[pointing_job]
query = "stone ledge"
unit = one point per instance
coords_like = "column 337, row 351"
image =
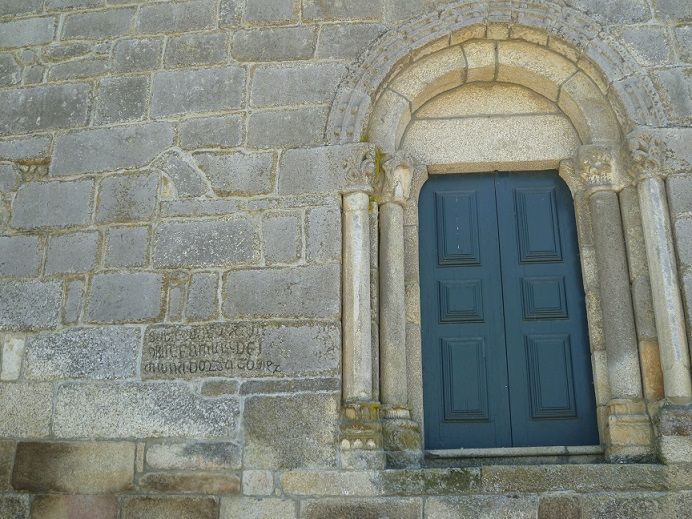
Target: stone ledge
column 492, row 479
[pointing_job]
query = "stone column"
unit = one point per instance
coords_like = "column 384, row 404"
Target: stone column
column 361, row 432
column 674, row 429
column 357, row 368
column 628, row 431
column 401, row 435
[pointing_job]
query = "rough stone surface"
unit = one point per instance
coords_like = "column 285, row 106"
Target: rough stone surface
column 348, row 9
column 144, row 410
column 124, row 297
column 70, row 253
column 199, row 483
column 274, row 44
column 93, row 151
column 20, row 7
column 80, row 467
column 287, row 432
column 126, row 198
column 194, row 456
column 500, row 507
column 258, row 482
column 92, row 353
column 13, row 347
column 167, row 507
column 683, row 229
column 237, row 173
column 197, row 91
column 195, row 50
column 26, row 409
column 183, row 16
column 7, row 449
column 98, row 25
column 281, row 238
column 68, row 507
column 257, row 508
column 188, row 181
column 127, row 247
column 73, row 301
column 10, row 71
column 24, row 148
column 14, row 506
column 19, row 256
column 679, row 194
column 206, row 243
column 285, row 292
column 346, row 41
column 396, row 508
column 121, row 99
column 44, row 107
column 277, row 128
column 31, row 31
column 10, row 178
column 137, row 55
column 323, row 234
column 300, row 84
column 271, row 11
column 52, row 204
column 29, row 305
column 211, row 132
column 202, row 297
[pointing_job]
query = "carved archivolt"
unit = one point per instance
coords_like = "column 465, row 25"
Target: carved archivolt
column 548, row 25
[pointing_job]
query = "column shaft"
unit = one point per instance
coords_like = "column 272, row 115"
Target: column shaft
column 616, row 301
column 394, row 391
column 357, row 347
column 663, row 271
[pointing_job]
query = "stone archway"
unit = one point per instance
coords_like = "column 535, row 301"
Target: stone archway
column 597, row 87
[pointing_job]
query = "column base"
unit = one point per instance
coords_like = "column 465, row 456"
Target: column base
column 402, row 438
column 629, row 436
column 360, row 439
column 674, row 440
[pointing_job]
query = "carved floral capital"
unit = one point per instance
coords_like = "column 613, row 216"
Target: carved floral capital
column 647, row 155
column 360, row 172
column 599, row 166
column 394, row 181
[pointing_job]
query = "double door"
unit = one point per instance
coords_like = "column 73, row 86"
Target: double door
column 506, row 359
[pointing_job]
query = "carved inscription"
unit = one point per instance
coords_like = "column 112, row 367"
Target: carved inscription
column 208, row 350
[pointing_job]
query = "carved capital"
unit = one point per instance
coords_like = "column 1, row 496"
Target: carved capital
column 360, row 171
column 599, row 166
column 394, row 181
column 647, row 155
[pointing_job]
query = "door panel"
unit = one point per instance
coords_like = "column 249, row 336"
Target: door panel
column 465, row 393
column 550, row 380
column 506, row 360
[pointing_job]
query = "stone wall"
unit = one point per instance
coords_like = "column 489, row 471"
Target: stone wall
column 170, row 259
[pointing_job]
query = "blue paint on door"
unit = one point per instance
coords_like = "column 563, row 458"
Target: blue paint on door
column 506, row 360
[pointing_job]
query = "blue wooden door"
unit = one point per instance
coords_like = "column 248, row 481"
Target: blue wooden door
column 506, row 359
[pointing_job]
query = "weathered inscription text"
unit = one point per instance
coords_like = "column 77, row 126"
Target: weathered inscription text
column 208, row 350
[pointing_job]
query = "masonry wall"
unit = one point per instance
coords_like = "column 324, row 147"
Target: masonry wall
column 170, row 245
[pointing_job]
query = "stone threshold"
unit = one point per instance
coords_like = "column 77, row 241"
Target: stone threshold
column 515, row 452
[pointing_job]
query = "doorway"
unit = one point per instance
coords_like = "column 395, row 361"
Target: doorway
column 506, row 359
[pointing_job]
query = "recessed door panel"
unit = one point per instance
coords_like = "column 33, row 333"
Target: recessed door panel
column 506, row 360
